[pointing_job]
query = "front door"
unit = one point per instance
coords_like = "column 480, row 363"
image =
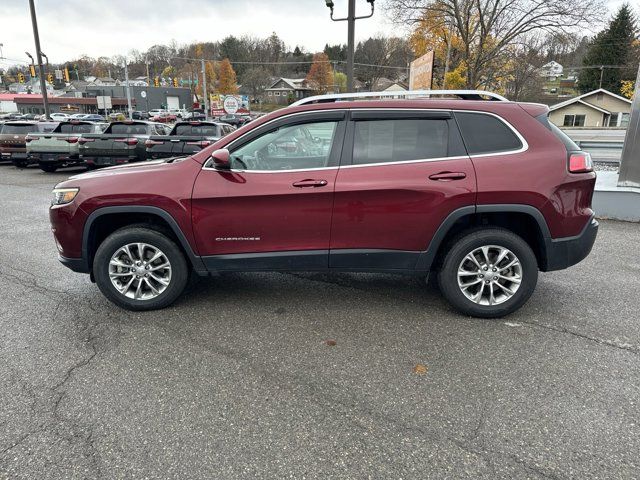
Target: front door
column 272, row 210
column 402, row 173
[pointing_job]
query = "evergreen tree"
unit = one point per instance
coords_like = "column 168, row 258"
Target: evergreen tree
column 612, row 46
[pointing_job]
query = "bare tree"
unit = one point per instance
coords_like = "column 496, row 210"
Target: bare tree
column 488, row 27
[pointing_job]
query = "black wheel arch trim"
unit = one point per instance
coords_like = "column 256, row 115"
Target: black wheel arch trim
column 426, row 259
column 195, row 260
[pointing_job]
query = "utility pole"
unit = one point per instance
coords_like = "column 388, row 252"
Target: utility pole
column 601, row 74
column 36, row 37
column 204, row 90
column 126, row 81
column 351, row 29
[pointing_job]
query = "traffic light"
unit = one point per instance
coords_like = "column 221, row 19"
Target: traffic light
column 21, row 77
column 66, row 74
column 32, row 70
column 156, row 82
column 50, row 77
column 175, row 82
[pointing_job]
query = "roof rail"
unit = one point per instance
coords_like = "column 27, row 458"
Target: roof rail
column 463, row 94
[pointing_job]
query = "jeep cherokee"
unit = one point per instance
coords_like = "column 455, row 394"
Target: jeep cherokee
column 481, row 193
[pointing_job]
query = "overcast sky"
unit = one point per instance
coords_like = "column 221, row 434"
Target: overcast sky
column 69, row 28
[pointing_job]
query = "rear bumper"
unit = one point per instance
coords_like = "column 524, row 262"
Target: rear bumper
column 107, row 161
column 565, row 252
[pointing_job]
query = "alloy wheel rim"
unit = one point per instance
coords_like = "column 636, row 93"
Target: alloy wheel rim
column 489, row 275
column 140, row 271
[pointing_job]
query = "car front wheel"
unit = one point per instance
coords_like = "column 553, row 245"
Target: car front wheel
column 140, row 269
column 488, row 273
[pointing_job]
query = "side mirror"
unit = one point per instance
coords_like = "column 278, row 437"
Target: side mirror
column 221, row 159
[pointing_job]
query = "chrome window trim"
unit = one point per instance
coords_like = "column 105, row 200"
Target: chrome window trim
column 525, row 145
column 524, row 148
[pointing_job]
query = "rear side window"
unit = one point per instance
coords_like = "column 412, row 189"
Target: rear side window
column 385, row 141
column 486, row 134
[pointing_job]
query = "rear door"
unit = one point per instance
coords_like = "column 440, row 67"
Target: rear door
column 402, row 173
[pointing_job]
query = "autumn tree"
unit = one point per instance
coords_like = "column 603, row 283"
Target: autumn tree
column 486, row 29
column 227, row 84
column 320, row 76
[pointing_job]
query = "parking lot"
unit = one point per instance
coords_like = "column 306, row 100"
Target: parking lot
column 312, row 376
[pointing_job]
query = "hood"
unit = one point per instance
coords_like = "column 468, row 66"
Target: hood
column 130, row 168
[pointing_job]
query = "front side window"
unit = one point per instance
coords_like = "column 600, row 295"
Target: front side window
column 385, row 141
column 485, row 134
column 292, row 147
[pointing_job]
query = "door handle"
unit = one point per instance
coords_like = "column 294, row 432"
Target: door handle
column 310, row 183
column 448, row 176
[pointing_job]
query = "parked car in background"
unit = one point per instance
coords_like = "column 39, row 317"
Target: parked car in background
column 481, row 194
column 121, row 142
column 59, row 116
column 13, row 146
column 139, row 115
column 164, row 118
column 186, row 138
column 156, row 111
column 235, row 120
column 10, row 116
column 117, row 117
column 178, row 112
column 93, row 117
column 59, row 148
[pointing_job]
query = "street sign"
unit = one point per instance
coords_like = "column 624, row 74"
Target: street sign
column 421, row 72
column 143, row 94
column 231, row 104
column 104, row 102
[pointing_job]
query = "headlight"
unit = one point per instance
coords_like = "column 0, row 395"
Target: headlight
column 62, row 196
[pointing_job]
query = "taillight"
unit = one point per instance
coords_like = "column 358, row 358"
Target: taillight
column 201, row 143
column 580, row 162
column 72, row 139
column 129, row 141
column 151, row 143
column 83, row 140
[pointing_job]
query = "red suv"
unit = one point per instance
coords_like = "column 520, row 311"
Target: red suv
column 482, row 193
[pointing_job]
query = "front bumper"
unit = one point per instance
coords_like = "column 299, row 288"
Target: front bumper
column 565, row 252
column 75, row 264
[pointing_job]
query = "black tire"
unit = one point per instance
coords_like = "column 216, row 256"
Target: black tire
column 48, row 167
column 20, row 163
column 128, row 235
column 467, row 243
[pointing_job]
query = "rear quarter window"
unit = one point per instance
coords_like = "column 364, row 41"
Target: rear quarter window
column 484, row 134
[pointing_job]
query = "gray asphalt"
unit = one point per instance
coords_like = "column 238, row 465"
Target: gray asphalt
column 240, row 379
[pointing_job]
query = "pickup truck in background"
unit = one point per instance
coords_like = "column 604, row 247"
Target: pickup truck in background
column 13, row 146
column 59, row 148
column 186, row 138
column 121, row 142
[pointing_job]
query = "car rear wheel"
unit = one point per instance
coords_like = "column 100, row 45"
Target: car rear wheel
column 140, row 269
column 488, row 273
